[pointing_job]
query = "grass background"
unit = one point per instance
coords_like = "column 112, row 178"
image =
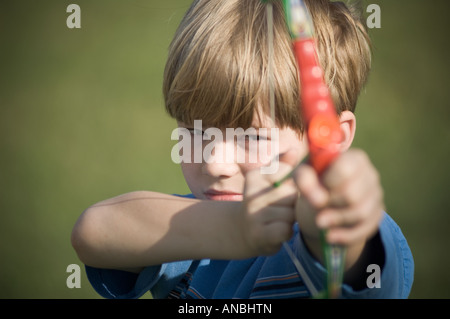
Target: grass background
column 82, row 119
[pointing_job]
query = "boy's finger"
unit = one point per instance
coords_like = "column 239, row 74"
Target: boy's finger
column 346, row 166
column 310, row 187
column 285, row 195
column 352, row 192
column 351, row 215
column 261, row 193
column 350, row 235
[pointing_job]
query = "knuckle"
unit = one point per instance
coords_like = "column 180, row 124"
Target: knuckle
column 346, row 170
column 305, row 179
column 351, row 194
column 345, row 219
column 360, row 155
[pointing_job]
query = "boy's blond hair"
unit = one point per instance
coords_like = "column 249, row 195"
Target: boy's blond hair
column 217, row 69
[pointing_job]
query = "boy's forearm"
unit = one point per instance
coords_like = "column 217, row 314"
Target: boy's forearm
column 145, row 228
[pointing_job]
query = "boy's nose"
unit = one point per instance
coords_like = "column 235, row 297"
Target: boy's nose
column 223, row 163
column 220, row 169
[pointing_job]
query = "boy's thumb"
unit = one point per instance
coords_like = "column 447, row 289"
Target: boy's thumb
column 310, row 187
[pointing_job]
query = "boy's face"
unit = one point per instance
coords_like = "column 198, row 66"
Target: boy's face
column 222, row 177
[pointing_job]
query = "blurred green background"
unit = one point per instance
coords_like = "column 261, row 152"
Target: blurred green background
column 82, row 119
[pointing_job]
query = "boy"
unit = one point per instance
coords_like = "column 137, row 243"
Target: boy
column 225, row 239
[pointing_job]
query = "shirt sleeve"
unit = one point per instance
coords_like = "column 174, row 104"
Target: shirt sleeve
column 118, row 284
column 396, row 274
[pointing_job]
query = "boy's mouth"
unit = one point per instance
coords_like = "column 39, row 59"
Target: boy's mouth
column 214, row 194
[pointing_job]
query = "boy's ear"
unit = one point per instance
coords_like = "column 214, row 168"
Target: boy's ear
column 348, row 128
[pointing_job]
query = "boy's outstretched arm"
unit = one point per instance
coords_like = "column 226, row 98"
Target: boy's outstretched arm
column 140, row 229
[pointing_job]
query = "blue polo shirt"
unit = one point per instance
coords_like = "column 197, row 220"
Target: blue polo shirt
column 257, row 278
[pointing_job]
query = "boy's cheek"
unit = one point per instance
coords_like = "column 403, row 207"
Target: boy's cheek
column 192, row 174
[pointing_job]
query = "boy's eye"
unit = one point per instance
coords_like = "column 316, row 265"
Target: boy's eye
column 256, row 138
column 241, row 138
column 194, row 131
column 251, row 141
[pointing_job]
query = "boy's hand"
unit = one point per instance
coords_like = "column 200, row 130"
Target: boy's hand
column 347, row 201
column 268, row 213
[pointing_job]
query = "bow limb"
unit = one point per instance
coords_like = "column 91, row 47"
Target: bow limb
column 320, row 119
